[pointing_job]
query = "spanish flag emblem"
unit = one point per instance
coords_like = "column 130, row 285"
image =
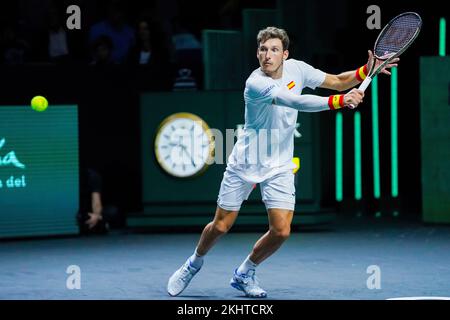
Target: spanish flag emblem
column 290, row 85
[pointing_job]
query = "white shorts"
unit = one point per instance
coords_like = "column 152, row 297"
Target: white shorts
column 277, row 191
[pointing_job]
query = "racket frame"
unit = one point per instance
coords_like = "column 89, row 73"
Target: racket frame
column 372, row 73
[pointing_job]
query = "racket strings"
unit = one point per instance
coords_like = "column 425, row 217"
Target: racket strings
column 398, row 35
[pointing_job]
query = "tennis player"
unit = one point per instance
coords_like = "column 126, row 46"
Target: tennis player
column 272, row 100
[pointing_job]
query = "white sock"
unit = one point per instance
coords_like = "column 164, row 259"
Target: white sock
column 246, row 266
column 196, row 260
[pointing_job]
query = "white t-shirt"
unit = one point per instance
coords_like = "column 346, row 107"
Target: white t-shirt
column 265, row 146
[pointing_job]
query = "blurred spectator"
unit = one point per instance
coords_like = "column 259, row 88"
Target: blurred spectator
column 188, row 57
column 182, row 38
column 152, row 45
column 13, row 50
column 93, row 217
column 143, row 52
column 58, row 47
column 52, row 44
column 102, row 49
column 153, row 51
column 114, row 27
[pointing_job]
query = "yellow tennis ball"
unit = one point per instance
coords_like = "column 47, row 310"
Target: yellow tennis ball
column 39, row 103
column 296, row 161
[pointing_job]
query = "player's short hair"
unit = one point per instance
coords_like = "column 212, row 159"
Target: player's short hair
column 273, row 33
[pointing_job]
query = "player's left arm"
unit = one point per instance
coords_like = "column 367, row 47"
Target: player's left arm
column 313, row 103
column 349, row 79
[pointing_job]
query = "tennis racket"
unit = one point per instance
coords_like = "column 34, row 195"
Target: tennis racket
column 392, row 41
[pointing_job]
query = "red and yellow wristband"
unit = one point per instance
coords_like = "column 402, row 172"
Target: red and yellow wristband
column 361, row 73
column 336, row 101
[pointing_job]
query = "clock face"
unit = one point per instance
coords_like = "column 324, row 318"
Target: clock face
column 184, row 145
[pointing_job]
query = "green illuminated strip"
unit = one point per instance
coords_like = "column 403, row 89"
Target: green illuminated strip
column 358, row 184
column 442, row 37
column 394, row 133
column 339, row 157
column 375, row 141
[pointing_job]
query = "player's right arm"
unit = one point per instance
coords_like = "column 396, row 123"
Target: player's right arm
column 349, row 79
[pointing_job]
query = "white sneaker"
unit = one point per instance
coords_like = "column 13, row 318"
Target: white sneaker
column 248, row 283
column 180, row 279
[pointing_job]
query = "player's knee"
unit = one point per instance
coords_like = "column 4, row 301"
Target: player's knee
column 281, row 233
column 221, row 227
column 285, row 234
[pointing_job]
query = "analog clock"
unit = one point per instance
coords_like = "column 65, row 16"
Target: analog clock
column 184, row 145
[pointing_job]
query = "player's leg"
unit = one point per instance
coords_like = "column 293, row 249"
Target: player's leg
column 279, row 230
column 233, row 191
column 180, row 279
column 223, row 221
column 279, row 197
column 278, row 194
column 244, row 277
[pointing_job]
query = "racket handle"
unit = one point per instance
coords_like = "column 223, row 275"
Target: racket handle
column 363, row 86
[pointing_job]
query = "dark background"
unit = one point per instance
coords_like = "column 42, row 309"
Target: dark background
column 108, row 96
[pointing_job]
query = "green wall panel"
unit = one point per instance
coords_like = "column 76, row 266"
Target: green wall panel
column 435, row 138
column 44, row 201
column 222, row 59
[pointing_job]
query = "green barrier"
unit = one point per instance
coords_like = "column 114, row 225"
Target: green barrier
column 222, row 59
column 435, row 138
column 39, row 186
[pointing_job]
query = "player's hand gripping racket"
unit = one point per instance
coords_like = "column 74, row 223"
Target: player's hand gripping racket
column 392, row 41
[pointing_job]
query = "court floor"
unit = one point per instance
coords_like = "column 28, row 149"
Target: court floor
column 328, row 263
